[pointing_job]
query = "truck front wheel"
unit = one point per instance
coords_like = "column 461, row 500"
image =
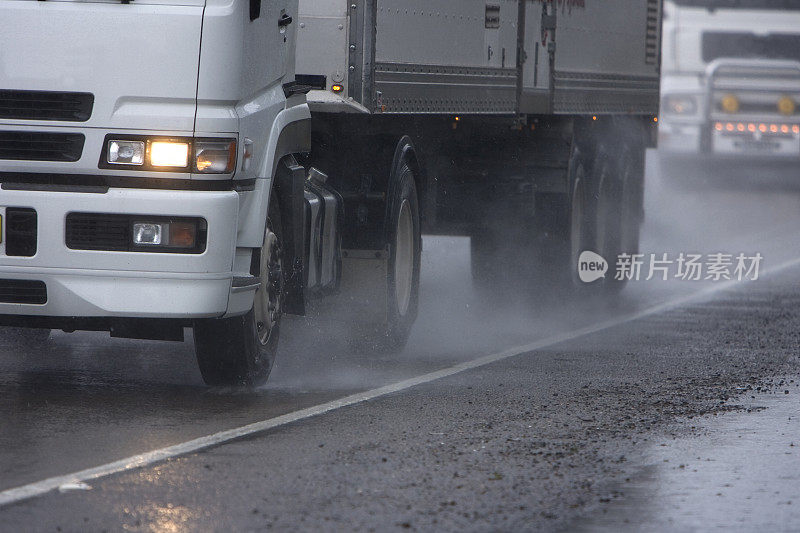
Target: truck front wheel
column 241, row 350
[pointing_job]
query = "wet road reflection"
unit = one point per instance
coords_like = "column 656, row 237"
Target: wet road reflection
column 733, row 468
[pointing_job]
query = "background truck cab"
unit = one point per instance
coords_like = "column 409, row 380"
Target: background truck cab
column 730, row 88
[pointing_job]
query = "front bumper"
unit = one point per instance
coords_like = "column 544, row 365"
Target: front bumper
column 688, row 146
column 89, row 283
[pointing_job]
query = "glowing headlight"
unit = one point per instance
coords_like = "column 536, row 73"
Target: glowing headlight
column 214, row 155
column 680, row 104
column 169, row 154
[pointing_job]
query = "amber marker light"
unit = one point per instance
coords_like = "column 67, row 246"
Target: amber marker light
column 787, row 106
column 730, row 104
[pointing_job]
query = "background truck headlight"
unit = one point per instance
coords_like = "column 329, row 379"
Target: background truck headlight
column 679, row 104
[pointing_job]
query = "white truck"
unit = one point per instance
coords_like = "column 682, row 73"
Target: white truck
column 730, row 87
column 216, row 164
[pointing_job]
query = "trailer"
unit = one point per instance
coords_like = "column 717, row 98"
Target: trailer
column 523, row 123
column 218, row 164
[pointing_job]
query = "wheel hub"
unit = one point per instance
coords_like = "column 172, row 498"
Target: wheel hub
column 268, row 306
column 404, row 258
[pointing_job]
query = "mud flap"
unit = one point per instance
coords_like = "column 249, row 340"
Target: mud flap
column 289, row 183
column 362, row 298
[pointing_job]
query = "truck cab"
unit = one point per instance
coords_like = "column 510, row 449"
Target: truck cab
column 139, row 145
column 730, row 88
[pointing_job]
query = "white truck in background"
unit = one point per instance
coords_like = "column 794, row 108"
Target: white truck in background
column 730, row 87
column 216, row 164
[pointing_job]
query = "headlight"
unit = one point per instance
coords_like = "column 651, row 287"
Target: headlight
column 126, row 152
column 167, row 234
column 680, row 104
column 169, row 154
column 215, row 156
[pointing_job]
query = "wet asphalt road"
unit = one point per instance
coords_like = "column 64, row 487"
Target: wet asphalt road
column 582, row 435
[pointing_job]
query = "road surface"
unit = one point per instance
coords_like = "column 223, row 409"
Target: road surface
column 673, row 407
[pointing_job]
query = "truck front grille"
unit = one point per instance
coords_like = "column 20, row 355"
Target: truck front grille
column 46, row 105
column 21, row 291
column 718, row 45
column 40, row 146
column 21, row 229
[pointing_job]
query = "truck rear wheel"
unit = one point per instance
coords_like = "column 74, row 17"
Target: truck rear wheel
column 403, row 269
column 618, row 213
column 241, row 350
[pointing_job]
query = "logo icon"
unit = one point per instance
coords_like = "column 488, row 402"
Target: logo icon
column 591, row 267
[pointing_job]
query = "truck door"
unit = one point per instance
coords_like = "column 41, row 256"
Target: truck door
column 268, row 47
column 270, row 39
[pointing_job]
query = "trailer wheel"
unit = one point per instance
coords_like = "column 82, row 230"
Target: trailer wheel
column 241, row 350
column 618, row 214
column 405, row 250
column 579, row 215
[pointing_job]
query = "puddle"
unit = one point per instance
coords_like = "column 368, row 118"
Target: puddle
column 736, row 472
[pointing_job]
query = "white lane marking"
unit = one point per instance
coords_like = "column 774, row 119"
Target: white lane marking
column 39, row 488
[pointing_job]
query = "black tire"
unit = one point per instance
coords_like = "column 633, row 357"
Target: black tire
column 579, row 233
column 404, row 236
column 618, row 213
column 608, row 221
column 237, row 351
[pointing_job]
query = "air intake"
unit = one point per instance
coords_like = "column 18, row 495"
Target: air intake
column 20, row 291
column 39, row 146
column 46, row 105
